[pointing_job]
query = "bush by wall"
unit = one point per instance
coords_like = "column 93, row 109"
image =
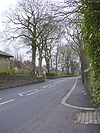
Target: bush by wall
column 51, row 75
column 4, row 72
column 95, row 90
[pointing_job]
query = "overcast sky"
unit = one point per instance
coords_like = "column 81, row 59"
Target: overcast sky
column 4, row 5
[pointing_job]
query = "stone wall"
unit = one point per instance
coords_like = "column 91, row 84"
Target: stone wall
column 9, row 81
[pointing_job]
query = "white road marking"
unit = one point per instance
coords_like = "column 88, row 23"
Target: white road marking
column 63, row 101
column 47, row 86
column 53, row 84
column 31, row 93
column 50, row 85
column 35, row 92
column 0, row 98
column 7, row 101
column 21, row 94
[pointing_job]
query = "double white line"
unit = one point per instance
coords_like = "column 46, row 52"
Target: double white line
column 24, row 92
column 30, row 92
column 35, row 92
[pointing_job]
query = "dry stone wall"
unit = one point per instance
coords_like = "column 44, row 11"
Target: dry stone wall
column 9, row 81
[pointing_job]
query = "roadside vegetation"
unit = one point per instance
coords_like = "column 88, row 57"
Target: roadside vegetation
column 90, row 11
column 63, row 39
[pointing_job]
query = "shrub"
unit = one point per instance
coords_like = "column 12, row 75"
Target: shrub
column 7, row 72
column 95, row 91
column 91, row 35
column 50, row 74
column 63, row 74
column 4, row 72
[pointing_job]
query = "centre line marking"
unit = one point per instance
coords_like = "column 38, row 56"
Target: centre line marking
column 31, row 93
column 7, row 101
column 35, row 92
column 21, row 93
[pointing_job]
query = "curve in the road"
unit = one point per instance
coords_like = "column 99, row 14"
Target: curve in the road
column 64, row 100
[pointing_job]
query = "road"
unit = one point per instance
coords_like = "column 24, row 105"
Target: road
column 37, row 108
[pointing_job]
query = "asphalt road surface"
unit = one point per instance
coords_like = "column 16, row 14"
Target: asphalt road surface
column 37, row 108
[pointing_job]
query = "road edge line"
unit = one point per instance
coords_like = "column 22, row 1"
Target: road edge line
column 64, row 99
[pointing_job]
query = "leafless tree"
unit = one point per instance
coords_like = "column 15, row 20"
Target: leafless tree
column 75, row 39
column 68, row 59
column 27, row 22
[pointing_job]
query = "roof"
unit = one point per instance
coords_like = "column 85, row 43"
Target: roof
column 5, row 54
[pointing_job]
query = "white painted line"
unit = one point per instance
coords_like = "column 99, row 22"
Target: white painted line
column 26, row 91
column 80, row 108
column 64, row 102
column 32, row 93
column 35, row 92
column 47, row 86
column 7, row 101
column 21, row 93
column 53, row 84
column 69, row 93
column 0, row 98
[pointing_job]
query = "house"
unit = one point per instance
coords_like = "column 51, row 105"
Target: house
column 4, row 61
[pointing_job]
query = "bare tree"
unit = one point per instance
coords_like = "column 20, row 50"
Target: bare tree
column 75, row 39
column 47, row 37
column 68, row 59
column 27, row 22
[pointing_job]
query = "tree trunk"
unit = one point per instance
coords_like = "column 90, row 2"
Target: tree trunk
column 82, row 71
column 40, row 64
column 83, row 61
column 62, row 68
column 82, row 66
column 47, row 65
column 56, row 62
column 72, row 69
column 33, row 60
column 67, row 67
column 51, row 64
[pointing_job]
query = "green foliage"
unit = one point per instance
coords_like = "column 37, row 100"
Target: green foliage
column 50, row 74
column 21, row 74
column 90, row 12
column 95, row 91
column 91, row 32
column 57, row 74
column 63, row 74
column 6, row 72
